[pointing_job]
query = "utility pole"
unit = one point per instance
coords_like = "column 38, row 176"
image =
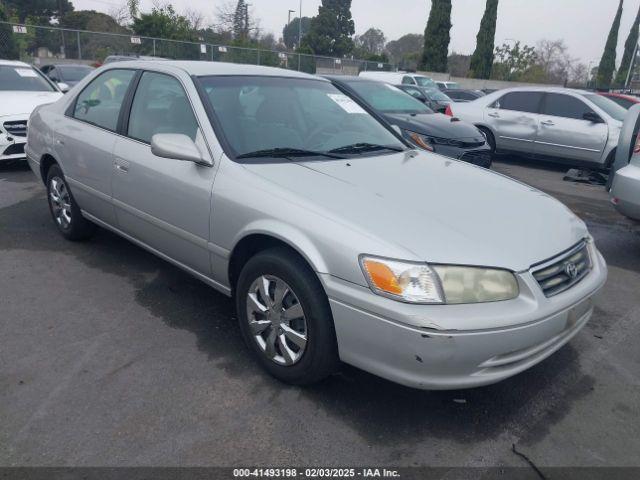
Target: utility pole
column 289, row 20
column 299, row 36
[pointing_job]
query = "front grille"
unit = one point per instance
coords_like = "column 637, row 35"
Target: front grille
column 564, row 271
column 15, row 149
column 477, row 157
column 16, row 128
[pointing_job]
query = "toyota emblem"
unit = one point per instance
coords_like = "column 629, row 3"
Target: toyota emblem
column 571, row 270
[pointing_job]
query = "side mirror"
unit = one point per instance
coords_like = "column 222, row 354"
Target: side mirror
column 177, row 146
column 64, row 88
column 593, row 117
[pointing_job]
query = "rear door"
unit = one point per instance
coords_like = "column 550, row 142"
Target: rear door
column 564, row 133
column 515, row 119
column 163, row 202
column 85, row 138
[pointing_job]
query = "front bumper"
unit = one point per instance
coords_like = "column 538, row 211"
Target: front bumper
column 625, row 191
column 480, row 156
column 11, row 145
column 458, row 346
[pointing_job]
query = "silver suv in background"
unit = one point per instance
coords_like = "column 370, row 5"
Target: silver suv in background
column 558, row 124
column 337, row 239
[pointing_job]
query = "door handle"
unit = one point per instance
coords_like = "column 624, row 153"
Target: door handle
column 494, row 115
column 548, row 123
column 121, row 165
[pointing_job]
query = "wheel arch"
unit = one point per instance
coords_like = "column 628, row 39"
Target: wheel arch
column 256, row 241
column 46, row 162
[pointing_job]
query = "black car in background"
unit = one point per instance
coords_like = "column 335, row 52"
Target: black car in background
column 419, row 124
column 463, row 95
column 431, row 97
column 66, row 73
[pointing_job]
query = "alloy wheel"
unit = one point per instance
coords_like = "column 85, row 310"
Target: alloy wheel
column 60, row 202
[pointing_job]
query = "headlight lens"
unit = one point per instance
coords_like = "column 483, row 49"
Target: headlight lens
column 421, row 141
column 420, row 283
column 476, row 285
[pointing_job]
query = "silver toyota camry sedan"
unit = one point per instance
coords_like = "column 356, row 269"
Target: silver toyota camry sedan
column 338, row 241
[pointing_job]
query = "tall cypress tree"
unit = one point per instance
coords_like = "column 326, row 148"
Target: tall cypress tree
column 629, row 48
column 608, row 60
column 331, row 31
column 482, row 58
column 436, row 37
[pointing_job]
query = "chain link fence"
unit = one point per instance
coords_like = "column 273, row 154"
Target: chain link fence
column 42, row 45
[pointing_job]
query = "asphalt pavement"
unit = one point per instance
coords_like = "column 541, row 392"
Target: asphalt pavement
column 110, row 356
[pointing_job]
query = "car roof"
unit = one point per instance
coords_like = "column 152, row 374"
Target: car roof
column 14, row 63
column 200, row 68
column 350, row 78
column 67, row 65
column 543, row 89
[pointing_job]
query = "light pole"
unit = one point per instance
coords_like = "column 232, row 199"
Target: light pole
column 289, row 20
column 589, row 73
column 299, row 35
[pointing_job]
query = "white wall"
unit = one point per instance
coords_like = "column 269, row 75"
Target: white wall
column 479, row 84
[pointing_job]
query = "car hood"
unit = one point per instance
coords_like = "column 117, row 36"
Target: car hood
column 438, row 209
column 436, row 125
column 18, row 103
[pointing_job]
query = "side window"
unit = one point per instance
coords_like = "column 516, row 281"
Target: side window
column 160, row 105
column 414, row 92
column 100, row 102
column 408, row 81
column 528, row 102
column 559, row 105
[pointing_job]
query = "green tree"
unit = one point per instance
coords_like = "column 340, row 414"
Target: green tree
column 241, row 22
column 46, row 9
column 406, row 51
column 8, row 47
column 482, row 58
column 332, row 30
column 513, row 61
column 608, row 60
column 436, row 37
column 370, row 43
column 163, row 22
column 291, row 32
column 629, row 48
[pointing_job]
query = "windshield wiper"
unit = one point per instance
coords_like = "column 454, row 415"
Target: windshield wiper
column 286, row 152
column 365, row 147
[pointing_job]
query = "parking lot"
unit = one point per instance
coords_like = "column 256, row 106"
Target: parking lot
column 110, row 356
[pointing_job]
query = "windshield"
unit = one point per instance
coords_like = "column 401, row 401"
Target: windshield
column 610, row 107
column 288, row 116
column 25, row 79
column 387, row 98
column 437, row 95
column 425, row 82
column 75, row 73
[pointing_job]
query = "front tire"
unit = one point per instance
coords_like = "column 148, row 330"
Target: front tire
column 285, row 318
column 64, row 209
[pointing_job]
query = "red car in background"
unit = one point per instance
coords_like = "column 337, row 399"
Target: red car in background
column 625, row 101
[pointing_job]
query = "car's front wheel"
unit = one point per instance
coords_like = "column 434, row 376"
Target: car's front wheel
column 285, row 317
column 64, row 209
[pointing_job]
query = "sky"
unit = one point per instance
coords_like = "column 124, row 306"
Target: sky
column 583, row 24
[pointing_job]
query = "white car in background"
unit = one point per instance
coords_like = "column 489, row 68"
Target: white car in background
column 22, row 89
column 568, row 126
column 400, row 78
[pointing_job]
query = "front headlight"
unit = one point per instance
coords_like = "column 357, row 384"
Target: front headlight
column 437, row 284
column 421, row 141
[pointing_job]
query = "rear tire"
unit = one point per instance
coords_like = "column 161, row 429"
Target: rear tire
column 64, row 209
column 285, row 317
